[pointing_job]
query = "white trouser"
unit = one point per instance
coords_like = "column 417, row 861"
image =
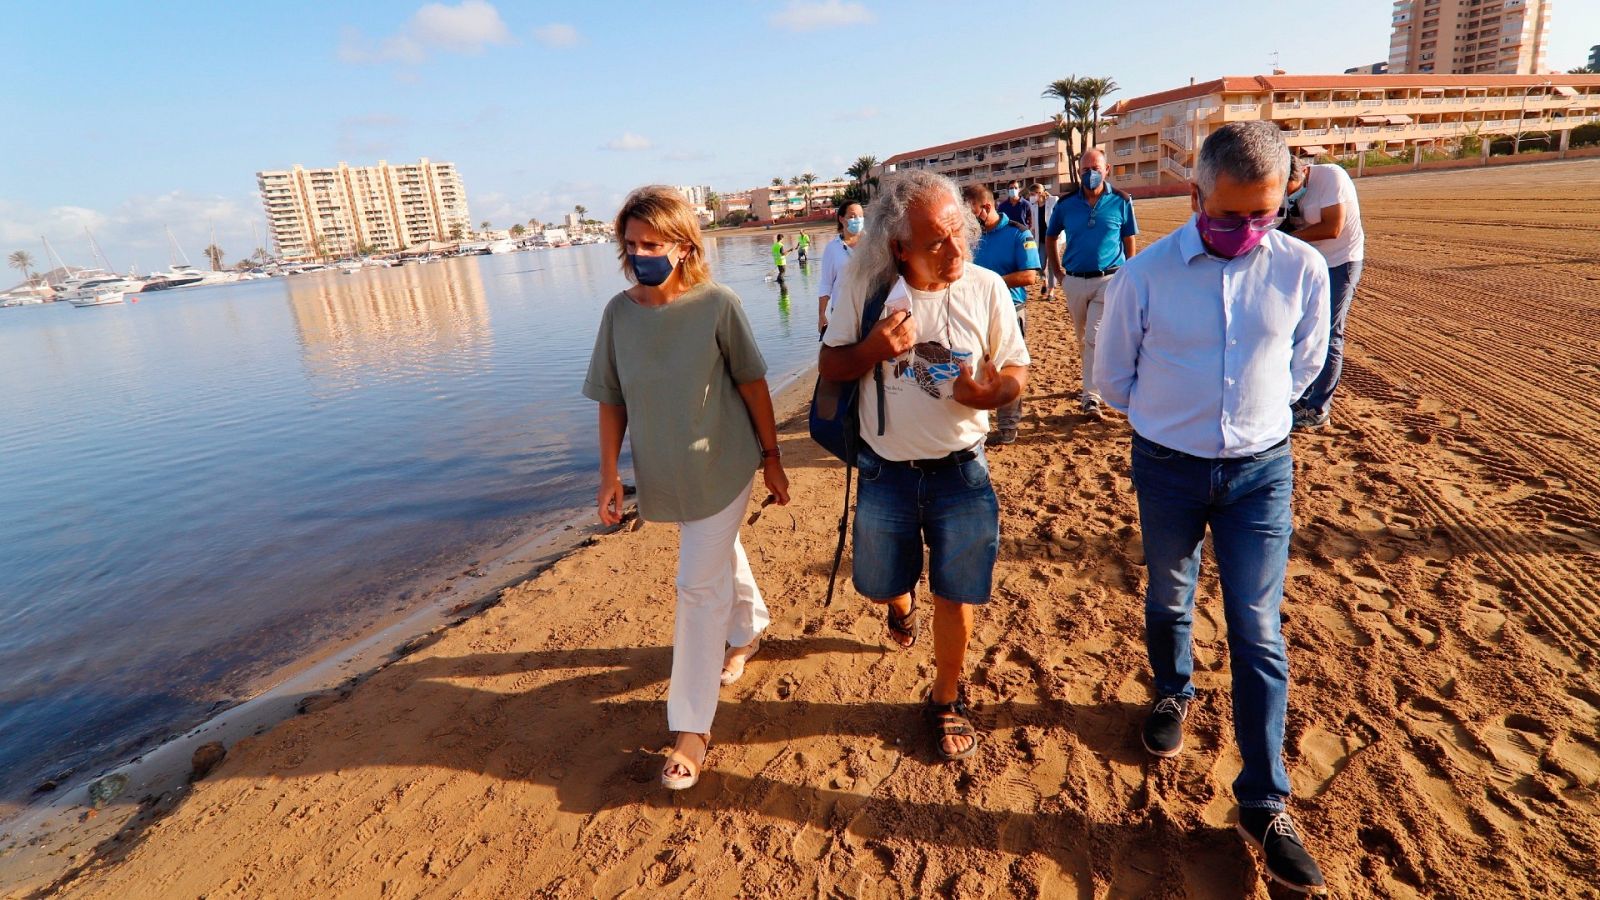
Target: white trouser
column 1086, row 300
column 719, row 606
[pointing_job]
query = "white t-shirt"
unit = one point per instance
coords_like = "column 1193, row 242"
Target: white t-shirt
column 975, row 317
column 1329, row 185
column 834, row 258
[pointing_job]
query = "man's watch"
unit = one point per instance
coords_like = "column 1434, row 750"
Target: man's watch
column 774, row 453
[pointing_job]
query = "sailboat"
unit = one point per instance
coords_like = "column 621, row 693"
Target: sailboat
column 93, row 282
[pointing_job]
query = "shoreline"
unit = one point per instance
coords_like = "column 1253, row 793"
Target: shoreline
column 41, row 826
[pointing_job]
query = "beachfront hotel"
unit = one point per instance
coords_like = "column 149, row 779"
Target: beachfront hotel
column 1028, row 155
column 315, row 213
column 790, row 201
column 1151, row 140
column 1468, row 37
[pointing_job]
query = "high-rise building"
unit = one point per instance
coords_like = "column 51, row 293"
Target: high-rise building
column 314, row 213
column 1469, row 37
column 1377, row 68
column 1594, row 59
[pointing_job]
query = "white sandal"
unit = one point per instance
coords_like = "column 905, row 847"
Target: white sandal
column 729, row 676
column 674, row 782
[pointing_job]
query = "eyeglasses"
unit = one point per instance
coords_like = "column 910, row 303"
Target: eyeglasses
column 1254, row 223
column 1234, row 223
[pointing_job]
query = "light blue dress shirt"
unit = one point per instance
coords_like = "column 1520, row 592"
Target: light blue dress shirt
column 1205, row 354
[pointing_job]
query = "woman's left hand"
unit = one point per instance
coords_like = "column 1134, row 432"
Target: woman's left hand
column 777, row 481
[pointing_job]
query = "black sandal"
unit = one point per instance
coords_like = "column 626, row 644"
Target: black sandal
column 906, row 625
column 952, row 720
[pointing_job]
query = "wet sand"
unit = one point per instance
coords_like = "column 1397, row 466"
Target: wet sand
column 1442, row 613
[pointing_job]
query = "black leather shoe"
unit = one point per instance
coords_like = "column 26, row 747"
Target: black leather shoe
column 1288, row 862
column 1163, row 728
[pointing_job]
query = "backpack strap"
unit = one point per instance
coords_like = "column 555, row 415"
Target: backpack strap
column 870, row 313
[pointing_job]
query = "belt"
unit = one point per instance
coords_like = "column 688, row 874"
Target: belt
column 1100, row 274
column 933, row 465
column 1184, row 455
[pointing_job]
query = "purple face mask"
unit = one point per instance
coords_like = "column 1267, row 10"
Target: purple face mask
column 1234, row 236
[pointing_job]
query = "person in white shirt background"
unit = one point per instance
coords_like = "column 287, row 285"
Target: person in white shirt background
column 1325, row 212
column 849, row 221
column 1206, row 338
column 1044, row 205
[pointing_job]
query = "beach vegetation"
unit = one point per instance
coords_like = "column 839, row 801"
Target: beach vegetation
column 22, row 260
column 1078, row 123
column 1585, row 135
column 214, row 254
column 517, row 230
column 866, row 182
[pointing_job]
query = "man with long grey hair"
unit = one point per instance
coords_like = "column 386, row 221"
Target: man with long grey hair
column 946, row 349
column 1206, row 338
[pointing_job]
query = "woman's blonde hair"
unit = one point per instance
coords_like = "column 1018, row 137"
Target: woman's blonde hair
column 664, row 209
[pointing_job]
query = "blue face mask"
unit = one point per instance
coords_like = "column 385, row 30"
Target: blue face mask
column 853, row 224
column 1012, row 193
column 651, row 271
column 1092, row 179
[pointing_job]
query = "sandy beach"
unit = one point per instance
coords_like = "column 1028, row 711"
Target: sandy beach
column 1442, row 613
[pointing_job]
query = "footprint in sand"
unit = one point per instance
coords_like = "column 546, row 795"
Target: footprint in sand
column 1322, row 756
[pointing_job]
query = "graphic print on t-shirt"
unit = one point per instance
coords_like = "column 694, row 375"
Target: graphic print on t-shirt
column 930, row 364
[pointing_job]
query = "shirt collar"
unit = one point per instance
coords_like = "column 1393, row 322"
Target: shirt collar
column 998, row 225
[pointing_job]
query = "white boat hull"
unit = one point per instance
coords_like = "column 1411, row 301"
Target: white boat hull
column 105, row 299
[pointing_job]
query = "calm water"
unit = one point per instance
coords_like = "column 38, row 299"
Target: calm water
column 202, row 487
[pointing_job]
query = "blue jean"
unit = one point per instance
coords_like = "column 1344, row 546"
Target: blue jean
column 1246, row 503
column 1342, row 281
column 953, row 510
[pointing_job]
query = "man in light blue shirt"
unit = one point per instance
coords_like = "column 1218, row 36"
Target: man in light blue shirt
column 1099, row 226
column 1206, row 338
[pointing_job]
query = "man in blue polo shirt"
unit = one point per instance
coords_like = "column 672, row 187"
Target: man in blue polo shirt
column 1099, row 226
column 1007, row 248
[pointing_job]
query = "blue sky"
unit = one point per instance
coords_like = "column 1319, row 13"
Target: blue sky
column 129, row 117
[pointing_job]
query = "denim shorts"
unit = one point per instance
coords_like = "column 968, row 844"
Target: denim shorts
column 953, row 510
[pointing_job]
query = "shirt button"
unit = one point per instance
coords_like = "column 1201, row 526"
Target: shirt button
column 1230, row 381
column 1233, row 342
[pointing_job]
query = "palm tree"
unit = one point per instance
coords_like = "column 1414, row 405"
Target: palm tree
column 1094, row 89
column 483, row 226
column 214, row 253
column 456, row 231
column 22, row 259
column 777, row 181
column 517, row 230
column 1584, row 70
column 581, row 210
column 1067, row 122
column 861, row 171
column 535, row 225
column 712, row 201
column 807, row 179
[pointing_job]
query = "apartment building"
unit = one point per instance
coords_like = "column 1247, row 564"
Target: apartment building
column 1469, row 37
column 313, row 213
column 790, row 201
column 1027, row 155
column 1151, row 140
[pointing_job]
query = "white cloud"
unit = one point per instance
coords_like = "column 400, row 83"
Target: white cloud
column 801, row 15
column 469, row 28
column 628, row 143
column 556, row 35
